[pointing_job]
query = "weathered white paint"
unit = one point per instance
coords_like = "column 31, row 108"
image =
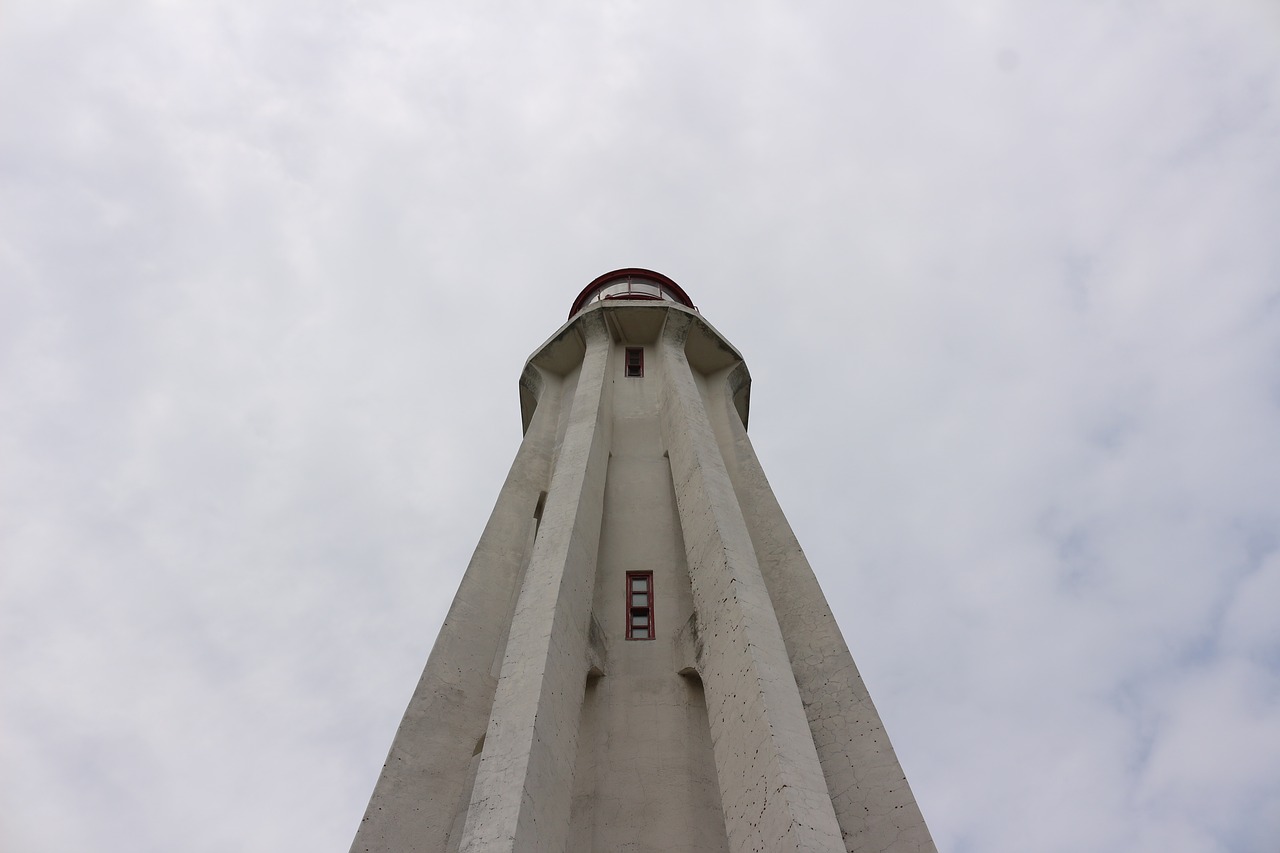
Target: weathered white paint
column 869, row 791
column 423, row 784
column 743, row 726
column 523, row 787
column 771, row 783
column 645, row 777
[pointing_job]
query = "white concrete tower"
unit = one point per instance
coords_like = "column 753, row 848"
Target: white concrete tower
column 639, row 657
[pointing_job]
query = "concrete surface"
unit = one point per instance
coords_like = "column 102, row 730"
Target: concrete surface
column 537, row 726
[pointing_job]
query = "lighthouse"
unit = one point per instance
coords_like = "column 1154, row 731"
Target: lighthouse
column 639, row 657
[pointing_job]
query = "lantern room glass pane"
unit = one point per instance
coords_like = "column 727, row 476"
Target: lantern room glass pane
column 644, row 288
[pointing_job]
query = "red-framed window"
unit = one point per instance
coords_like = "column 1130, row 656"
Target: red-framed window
column 634, row 365
column 639, row 605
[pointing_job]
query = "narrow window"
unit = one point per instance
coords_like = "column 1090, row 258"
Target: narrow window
column 639, row 605
column 635, row 361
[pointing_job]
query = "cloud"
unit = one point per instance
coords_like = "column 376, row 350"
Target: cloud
column 1004, row 276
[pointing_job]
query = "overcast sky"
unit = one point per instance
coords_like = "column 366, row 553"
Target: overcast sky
column 1006, row 274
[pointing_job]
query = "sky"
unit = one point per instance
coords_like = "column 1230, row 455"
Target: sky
column 1006, row 275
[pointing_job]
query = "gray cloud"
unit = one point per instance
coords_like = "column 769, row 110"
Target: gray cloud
column 1006, row 278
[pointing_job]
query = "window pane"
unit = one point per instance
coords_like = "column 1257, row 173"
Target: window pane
column 639, row 604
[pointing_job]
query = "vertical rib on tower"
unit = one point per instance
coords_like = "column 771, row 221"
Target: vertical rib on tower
column 735, row 722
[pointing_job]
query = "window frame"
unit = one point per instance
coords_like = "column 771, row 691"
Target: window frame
column 648, row 610
column 626, row 362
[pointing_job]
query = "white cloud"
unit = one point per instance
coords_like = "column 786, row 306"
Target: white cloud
column 268, row 273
